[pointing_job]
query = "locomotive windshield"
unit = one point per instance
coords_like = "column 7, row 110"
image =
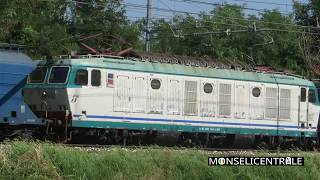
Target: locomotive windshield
column 59, row 75
column 38, row 75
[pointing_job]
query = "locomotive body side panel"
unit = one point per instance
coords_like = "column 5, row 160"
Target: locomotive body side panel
column 149, row 96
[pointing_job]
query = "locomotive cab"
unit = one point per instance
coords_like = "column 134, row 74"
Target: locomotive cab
column 46, row 92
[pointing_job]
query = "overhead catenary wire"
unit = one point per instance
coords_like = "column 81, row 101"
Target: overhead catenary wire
column 224, row 17
column 245, row 1
column 193, row 13
column 198, row 27
column 222, row 5
column 264, row 29
column 229, row 31
column 244, row 30
column 211, row 15
column 205, row 33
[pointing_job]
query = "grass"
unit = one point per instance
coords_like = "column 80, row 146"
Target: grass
column 33, row 160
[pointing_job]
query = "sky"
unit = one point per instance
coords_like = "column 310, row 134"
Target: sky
column 136, row 9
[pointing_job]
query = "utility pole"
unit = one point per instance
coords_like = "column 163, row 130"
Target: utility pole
column 147, row 40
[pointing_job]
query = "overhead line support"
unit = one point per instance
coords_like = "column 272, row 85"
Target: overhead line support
column 147, row 38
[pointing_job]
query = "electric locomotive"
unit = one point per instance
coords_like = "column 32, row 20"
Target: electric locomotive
column 113, row 97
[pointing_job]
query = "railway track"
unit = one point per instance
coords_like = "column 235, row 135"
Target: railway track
column 219, row 151
column 209, row 150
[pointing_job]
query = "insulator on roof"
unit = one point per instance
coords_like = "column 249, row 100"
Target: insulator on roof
column 204, row 61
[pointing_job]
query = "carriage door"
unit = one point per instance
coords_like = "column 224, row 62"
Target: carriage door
column 122, row 100
column 303, row 108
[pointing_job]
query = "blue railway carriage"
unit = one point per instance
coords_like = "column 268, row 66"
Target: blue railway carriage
column 110, row 94
column 14, row 113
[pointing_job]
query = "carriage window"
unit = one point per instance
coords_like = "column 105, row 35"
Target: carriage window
column 95, row 78
column 155, row 84
column 207, row 88
column 312, row 96
column 59, row 75
column 82, row 77
column 256, row 92
column 303, row 95
column 38, row 75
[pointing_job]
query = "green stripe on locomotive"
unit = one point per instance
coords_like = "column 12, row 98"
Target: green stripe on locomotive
column 182, row 70
column 187, row 128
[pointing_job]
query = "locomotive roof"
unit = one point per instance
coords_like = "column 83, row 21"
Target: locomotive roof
column 117, row 63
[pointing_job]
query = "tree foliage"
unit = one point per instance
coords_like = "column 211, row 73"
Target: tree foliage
column 226, row 33
column 309, row 15
column 55, row 27
column 38, row 24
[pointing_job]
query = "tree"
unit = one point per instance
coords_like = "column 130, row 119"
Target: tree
column 37, row 24
column 105, row 17
column 228, row 34
column 54, row 27
column 308, row 15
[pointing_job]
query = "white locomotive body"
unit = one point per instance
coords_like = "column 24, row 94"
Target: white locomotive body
column 118, row 93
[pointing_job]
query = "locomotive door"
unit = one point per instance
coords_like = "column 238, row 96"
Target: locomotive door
column 122, row 101
column 303, row 108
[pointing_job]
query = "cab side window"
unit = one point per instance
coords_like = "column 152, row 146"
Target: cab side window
column 95, row 78
column 82, row 77
column 312, row 96
column 303, row 95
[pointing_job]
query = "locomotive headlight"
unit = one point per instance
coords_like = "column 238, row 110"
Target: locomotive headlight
column 44, row 95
